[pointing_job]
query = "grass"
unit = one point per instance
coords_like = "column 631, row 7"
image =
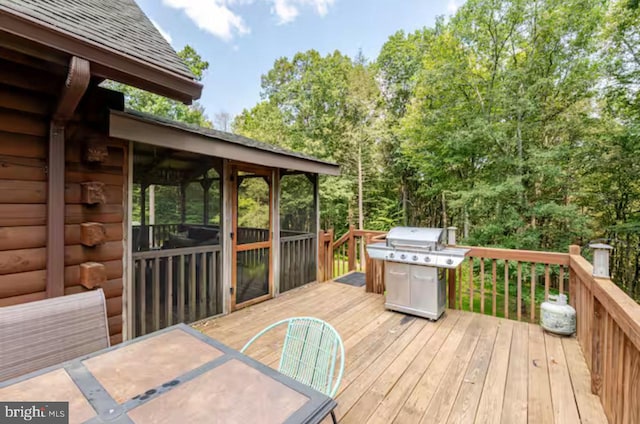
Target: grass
column 341, row 267
column 539, row 291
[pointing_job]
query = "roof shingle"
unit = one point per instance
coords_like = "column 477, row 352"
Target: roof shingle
column 116, row 24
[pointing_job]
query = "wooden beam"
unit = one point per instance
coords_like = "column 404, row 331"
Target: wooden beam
column 92, row 274
column 316, row 226
column 92, row 233
column 275, row 242
column 75, row 86
column 226, row 213
column 129, row 127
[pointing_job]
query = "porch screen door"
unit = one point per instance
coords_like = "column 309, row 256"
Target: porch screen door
column 252, row 278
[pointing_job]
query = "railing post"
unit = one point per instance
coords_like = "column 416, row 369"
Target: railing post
column 330, row 261
column 368, row 266
column 597, row 350
column 321, row 257
column 451, row 279
column 574, row 249
column 351, row 249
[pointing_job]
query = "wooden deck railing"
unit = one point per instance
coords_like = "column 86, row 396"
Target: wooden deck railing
column 175, row 285
column 297, row 260
column 507, row 283
column 344, row 255
column 513, row 283
column 608, row 330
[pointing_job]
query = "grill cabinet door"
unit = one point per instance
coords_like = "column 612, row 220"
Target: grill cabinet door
column 424, row 289
column 397, row 283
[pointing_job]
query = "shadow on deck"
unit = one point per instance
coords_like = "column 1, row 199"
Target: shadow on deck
column 465, row 367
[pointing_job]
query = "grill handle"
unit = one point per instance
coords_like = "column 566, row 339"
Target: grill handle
column 395, row 245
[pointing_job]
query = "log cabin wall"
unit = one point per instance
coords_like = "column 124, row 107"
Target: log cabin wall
column 95, row 190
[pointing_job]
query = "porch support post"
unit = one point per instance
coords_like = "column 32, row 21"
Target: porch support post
column 183, row 202
column 144, row 231
column 275, row 237
column 206, row 185
column 225, row 235
column 316, row 230
column 75, row 86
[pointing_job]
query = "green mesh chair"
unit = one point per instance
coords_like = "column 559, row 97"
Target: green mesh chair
column 309, row 354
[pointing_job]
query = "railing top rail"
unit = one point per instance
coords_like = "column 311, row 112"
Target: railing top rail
column 551, row 258
column 364, row 233
column 341, row 240
column 305, row 236
column 165, row 253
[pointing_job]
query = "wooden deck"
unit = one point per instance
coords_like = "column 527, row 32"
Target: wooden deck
column 463, row 368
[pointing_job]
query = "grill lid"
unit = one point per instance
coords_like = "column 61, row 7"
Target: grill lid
column 424, row 238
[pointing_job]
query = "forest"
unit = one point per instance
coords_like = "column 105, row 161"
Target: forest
column 517, row 121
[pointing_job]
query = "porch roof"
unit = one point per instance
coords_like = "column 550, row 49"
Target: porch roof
column 157, row 131
column 115, row 36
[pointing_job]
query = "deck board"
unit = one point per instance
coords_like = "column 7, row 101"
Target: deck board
column 463, row 368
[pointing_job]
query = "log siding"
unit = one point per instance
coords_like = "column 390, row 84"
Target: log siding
column 25, row 111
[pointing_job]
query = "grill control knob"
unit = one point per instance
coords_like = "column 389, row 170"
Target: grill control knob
column 403, row 256
column 427, row 259
column 391, row 255
column 449, row 261
column 415, row 257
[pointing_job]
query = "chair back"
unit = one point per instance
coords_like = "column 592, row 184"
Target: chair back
column 40, row 334
column 309, row 354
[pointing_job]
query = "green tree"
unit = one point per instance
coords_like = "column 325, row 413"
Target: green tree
column 154, row 104
column 167, row 209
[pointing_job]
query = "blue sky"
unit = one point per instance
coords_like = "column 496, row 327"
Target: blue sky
column 242, row 38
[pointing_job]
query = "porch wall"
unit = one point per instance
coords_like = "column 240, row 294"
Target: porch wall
column 28, row 96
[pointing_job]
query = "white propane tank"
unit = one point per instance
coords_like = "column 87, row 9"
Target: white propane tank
column 556, row 316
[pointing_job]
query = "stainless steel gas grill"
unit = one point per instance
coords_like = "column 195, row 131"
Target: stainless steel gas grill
column 414, row 271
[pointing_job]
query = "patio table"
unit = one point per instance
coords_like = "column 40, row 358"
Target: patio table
column 175, row 375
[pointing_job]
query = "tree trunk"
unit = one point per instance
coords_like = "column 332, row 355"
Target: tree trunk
column 444, row 211
column 466, row 222
column 360, row 201
column 404, row 204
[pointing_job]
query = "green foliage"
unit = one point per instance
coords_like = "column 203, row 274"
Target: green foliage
column 154, row 104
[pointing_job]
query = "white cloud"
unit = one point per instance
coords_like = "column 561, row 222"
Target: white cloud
column 162, row 32
column 212, row 16
column 452, row 6
column 217, row 17
column 288, row 10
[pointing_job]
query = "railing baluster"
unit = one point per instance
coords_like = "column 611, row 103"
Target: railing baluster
column 519, row 294
column 561, row 282
column 169, row 299
column 213, row 284
column 220, row 305
column 460, row 287
column 142, row 298
column 532, row 312
column 493, row 280
column 506, row 289
column 181, row 288
column 192, row 287
column 547, row 282
column 202, row 295
column 482, row 285
column 471, row 284
column 156, row 294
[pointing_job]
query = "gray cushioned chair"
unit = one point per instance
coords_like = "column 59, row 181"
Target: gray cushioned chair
column 40, row 334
